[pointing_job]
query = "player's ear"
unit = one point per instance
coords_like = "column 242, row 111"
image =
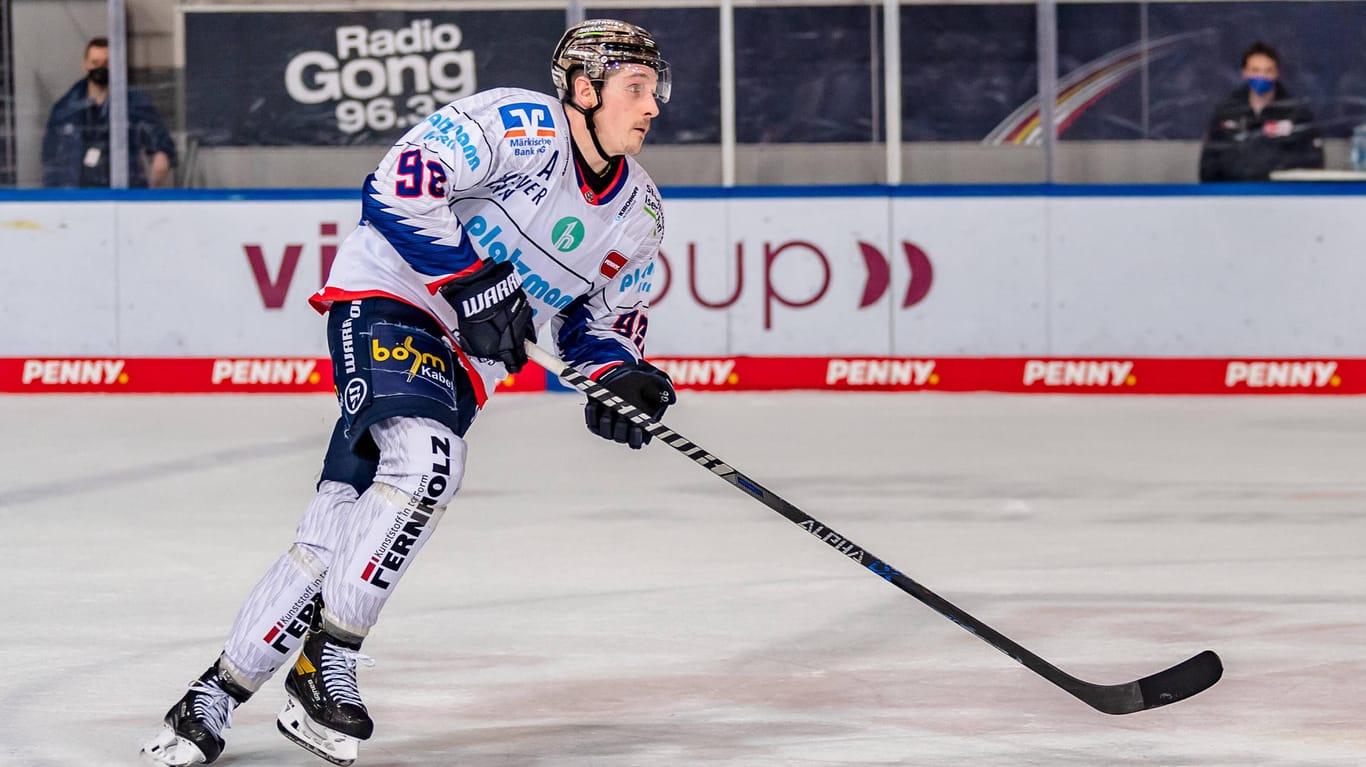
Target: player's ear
column 585, row 95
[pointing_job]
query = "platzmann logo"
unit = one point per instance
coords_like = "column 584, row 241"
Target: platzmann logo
column 384, row 78
column 490, row 239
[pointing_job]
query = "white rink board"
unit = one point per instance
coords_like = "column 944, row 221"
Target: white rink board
column 59, row 271
column 1230, row 276
column 1012, row 276
column 991, row 273
column 188, row 263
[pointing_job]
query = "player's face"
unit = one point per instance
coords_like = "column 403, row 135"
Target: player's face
column 1260, row 65
column 628, row 105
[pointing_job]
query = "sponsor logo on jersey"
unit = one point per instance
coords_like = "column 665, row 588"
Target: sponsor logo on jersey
column 699, row 372
column 467, row 147
column 567, row 234
column 398, row 543
column 612, row 264
column 256, row 371
column 528, row 128
column 1079, row 373
column 640, row 279
column 654, row 208
column 461, row 142
column 1308, row 374
column 494, row 247
column 856, row 372
column 510, row 183
column 60, row 372
column 630, row 201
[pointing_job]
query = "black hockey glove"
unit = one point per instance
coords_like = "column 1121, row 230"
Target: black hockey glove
column 644, row 387
column 493, row 312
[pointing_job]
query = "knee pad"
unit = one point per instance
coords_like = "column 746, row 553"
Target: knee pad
column 421, row 457
column 319, row 533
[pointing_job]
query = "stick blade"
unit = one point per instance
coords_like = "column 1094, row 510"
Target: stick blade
column 1189, row 677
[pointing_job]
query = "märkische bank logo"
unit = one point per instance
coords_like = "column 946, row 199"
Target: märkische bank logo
column 567, row 234
column 528, row 128
column 383, row 79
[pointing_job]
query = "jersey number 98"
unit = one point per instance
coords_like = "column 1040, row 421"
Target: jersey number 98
column 411, row 174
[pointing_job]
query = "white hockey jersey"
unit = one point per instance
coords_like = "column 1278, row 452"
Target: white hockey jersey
column 493, row 176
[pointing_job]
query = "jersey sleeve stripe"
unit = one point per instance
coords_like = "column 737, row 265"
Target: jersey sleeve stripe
column 418, row 245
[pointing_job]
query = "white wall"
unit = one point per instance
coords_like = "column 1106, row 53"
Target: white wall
column 1218, row 276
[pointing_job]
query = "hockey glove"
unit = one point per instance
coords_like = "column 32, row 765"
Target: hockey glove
column 644, row 387
column 494, row 317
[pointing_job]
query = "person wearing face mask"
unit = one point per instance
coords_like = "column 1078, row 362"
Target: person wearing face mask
column 1259, row 128
column 76, row 143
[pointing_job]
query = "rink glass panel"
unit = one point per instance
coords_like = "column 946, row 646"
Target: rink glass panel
column 272, row 96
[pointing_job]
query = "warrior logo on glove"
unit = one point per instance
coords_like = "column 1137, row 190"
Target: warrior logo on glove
column 494, row 317
column 491, row 296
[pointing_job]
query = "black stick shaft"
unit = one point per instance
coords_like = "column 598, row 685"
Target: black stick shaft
column 1168, row 686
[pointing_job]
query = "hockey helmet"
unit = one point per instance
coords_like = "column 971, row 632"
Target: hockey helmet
column 600, row 45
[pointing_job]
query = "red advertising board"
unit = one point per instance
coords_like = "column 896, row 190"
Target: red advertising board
column 1141, row 375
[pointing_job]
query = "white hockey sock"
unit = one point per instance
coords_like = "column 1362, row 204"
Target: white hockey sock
column 365, row 575
column 275, row 617
column 420, row 468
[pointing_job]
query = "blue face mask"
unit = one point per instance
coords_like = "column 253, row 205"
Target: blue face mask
column 1261, row 85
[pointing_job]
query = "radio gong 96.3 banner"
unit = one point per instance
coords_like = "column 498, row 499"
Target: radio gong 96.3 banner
column 349, row 77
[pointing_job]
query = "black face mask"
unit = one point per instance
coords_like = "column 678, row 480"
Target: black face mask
column 98, row 76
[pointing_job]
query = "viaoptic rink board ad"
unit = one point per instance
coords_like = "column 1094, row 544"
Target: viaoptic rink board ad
column 1136, row 290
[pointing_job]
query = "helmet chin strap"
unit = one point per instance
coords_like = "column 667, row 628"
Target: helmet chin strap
column 592, row 131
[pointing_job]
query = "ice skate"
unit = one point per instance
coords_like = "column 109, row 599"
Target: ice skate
column 324, row 713
column 194, row 726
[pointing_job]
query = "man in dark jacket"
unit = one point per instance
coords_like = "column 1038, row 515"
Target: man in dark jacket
column 1259, row 127
column 76, row 144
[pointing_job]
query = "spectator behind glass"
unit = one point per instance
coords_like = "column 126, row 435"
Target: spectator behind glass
column 76, row 144
column 1259, row 127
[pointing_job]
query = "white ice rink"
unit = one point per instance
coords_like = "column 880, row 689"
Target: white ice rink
column 585, row 605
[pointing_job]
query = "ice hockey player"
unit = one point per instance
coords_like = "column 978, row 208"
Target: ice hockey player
column 504, row 212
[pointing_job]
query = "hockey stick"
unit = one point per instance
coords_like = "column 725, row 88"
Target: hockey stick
column 1187, row 678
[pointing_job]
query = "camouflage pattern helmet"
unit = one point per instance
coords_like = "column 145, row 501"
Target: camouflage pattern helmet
column 600, row 45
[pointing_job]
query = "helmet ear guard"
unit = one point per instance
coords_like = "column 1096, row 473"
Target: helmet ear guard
column 598, row 46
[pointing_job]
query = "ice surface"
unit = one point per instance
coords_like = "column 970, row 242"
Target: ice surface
column 585, row 605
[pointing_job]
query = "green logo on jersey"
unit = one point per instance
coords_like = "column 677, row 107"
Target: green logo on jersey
column 567, row 234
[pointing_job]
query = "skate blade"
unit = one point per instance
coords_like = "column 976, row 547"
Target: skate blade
column 331, row 745
column 171, row 750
